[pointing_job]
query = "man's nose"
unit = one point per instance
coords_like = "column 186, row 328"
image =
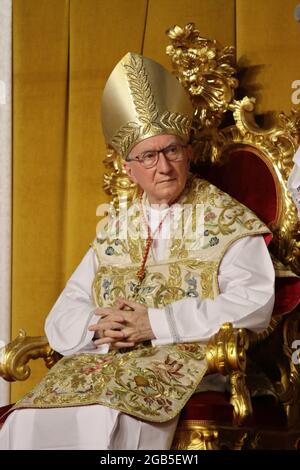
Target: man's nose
column 163, row 164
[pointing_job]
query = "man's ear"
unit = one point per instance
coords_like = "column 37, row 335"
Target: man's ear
column 129, row 172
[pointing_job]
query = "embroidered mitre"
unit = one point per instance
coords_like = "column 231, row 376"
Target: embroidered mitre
column 142, row 99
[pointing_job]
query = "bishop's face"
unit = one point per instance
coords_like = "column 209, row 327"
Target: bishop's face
column 164, row 181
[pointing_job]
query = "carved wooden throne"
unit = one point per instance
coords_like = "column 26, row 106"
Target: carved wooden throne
column 252, row 164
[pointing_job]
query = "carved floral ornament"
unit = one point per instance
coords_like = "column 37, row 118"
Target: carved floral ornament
column 206, row 70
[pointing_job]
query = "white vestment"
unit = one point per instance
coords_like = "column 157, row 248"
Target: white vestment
column 246, row 281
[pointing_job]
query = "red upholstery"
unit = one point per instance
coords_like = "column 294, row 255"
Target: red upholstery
column 215, row 408
column 247, row 178
column 209, row 406
column 287, row 295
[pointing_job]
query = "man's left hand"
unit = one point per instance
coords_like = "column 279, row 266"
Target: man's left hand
column 137, row 324
column 133, row 320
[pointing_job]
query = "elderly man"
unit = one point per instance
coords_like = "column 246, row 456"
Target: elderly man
column 133, row 319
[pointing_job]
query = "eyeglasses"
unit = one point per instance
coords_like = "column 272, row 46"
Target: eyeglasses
column 173, row 153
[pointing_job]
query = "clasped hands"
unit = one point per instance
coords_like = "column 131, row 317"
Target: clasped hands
column 122, row 326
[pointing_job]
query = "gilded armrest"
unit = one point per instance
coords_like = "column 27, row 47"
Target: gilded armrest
column 226, row 354
column 14, row 357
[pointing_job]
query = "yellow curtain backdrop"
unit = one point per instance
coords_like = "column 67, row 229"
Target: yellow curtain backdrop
column 63, row 53
column 268, row 40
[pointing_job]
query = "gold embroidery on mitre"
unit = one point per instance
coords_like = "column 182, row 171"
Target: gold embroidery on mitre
column 141, row 94
column 150, row 109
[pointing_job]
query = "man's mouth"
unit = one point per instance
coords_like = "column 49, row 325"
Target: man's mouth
column 166, row 181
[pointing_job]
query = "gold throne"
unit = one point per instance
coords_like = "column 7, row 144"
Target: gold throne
column 253, row 164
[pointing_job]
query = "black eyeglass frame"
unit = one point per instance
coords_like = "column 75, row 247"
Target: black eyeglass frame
column 140, row 158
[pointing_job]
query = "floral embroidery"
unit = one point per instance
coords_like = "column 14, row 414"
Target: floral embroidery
column 133, row 287
column 169, row 369
column 106, row 286
column 109, row 250
column 209, row 216
column 152, row 383
column 97, row 367
column 190, row 347
column 192, row 289
column 213, row 241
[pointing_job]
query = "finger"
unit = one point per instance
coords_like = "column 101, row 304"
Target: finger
column 116, row 334
column 120, row 304
column 121, row 344
column 105, row 311
column 112, row 325
column 105, row 325
column 104, row 340
column 129, row 303
column 96, row 327
column 110, row 319
column 116, row 319
column 128, row 331
column 123, row 304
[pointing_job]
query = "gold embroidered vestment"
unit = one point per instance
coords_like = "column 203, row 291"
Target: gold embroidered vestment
column 151, row 383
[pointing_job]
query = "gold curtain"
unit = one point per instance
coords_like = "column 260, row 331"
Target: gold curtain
column 63, row 52
column 268, row 41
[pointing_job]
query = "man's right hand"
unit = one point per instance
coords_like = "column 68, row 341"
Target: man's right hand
column 108, row 329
